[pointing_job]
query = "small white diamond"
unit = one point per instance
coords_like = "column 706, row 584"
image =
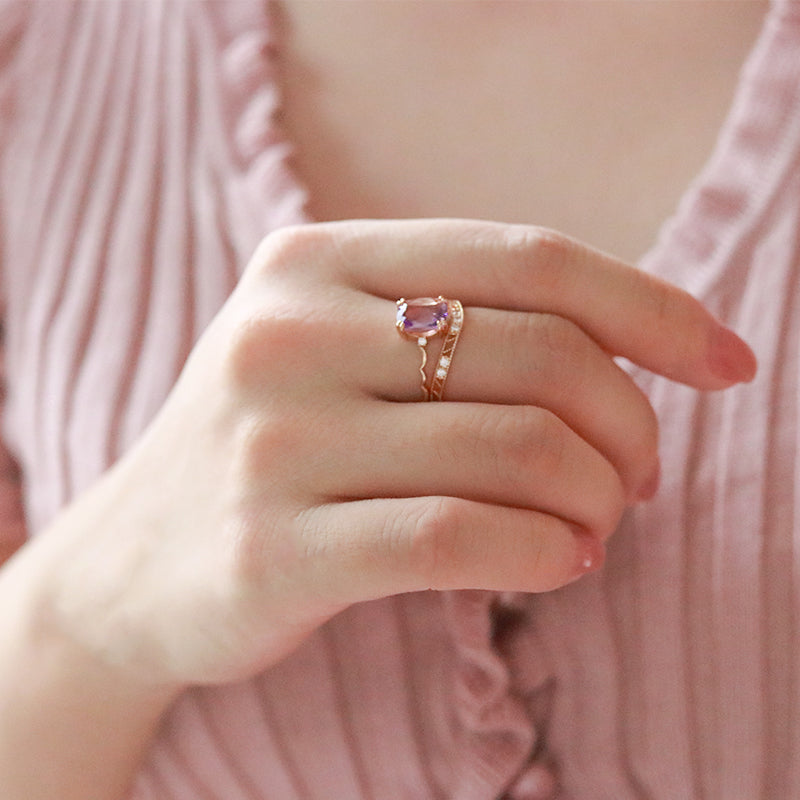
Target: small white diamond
column 445, row 362
column 440, row 373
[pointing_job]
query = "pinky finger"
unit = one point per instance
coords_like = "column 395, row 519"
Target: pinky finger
column 379, row 547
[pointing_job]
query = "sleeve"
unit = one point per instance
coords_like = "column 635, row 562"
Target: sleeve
column 12, row 518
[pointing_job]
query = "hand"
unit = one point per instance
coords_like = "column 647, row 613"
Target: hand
column 291, row 472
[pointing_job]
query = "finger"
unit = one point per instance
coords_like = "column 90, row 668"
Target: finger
column 507, row 455
column 390, row 546
column 526, row 268
column 516, row 358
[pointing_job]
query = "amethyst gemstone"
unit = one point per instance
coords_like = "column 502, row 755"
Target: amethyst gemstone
column 422, row 317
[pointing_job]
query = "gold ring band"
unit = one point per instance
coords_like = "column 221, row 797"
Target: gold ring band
column 448, row 350
column 422, row 319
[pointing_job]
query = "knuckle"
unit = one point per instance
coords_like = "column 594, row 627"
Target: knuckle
column 641, row 444
column 608, row 512
column 265, row 347
column 287, row 249
column 646, row 446
column 522, row 441
column 549, row 245
column 432, row 551
column 258, row 469
column 540, row 254
column 534, row 437
column 262, row 445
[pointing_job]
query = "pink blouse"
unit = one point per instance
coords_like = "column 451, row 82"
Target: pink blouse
column 140, row 164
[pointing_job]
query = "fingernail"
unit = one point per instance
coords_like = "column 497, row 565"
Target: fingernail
column 591, row 554
column 730, row 358
column 650, row 486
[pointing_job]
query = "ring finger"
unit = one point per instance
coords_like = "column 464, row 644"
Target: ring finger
column 542, row 360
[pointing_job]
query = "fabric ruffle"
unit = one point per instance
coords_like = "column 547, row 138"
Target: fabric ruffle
column 12, row 518
column 499, row 736
column 260, row 152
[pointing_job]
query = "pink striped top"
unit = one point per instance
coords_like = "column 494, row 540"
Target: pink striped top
column 140, row 164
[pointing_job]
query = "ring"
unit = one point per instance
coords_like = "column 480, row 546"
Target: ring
column 422, row 319
column 448, row 348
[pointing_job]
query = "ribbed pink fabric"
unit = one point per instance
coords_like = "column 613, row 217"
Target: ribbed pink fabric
column 12, row 522
column 141, row 163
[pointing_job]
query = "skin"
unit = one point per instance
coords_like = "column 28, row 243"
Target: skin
column 590, row 117
column 296, row 479
column 297, row 475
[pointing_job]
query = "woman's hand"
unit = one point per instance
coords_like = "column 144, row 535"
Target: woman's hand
column 292, row 472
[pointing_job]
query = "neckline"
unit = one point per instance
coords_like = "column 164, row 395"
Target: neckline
column 732, row 183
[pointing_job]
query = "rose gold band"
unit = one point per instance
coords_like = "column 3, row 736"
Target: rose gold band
column 448, row 350
column 423, row 343
column 424, row 318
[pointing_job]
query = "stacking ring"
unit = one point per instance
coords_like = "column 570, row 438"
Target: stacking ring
column 422, row 319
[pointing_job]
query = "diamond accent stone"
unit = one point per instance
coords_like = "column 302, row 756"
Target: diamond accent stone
column 436, row 388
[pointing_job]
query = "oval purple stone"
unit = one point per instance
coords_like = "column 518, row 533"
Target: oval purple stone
column 422, row 317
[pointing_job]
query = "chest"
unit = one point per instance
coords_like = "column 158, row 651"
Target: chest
column 587, row 117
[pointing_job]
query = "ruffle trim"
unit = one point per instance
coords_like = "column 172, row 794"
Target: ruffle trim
column 499, row 737
column 260, row 150
column 13, row 531
column 732, row 192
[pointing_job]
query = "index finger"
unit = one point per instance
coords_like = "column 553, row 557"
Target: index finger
column 526, row 268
